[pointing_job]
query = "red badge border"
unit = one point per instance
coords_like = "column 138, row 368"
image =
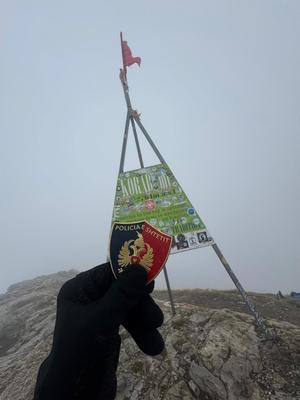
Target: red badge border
column 153, row 227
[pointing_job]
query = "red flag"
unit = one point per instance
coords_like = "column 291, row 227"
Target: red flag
column 128, row 59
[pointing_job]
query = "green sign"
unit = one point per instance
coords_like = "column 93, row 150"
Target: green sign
column 153, row 194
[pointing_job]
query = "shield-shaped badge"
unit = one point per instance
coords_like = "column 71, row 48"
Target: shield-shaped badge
column 138, row 243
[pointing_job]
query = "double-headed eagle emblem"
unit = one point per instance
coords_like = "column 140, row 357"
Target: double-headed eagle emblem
column 137, row 253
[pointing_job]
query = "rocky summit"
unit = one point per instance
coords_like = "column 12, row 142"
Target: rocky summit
column 212, row 352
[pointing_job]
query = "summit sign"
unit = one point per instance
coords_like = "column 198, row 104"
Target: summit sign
column 153, row 194
column 143, row 184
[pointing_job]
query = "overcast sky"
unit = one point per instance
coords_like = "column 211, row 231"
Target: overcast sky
column 219, row 92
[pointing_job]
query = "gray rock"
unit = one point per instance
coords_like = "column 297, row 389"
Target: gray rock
column 207, row 382
column 211, row 354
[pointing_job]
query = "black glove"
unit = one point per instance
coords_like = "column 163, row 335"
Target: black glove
column 83, row 360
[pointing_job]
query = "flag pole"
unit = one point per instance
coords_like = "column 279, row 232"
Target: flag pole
column 133, row 117
column 124, row 145
column 123, row 58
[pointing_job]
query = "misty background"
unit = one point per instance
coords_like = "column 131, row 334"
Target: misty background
column 219, row 93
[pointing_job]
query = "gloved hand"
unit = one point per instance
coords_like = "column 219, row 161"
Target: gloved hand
column 83, row 360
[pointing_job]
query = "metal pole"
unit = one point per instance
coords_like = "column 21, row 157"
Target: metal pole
column 137, row 142
column 169, row 290
column 164, row 268
column 259, row 319
column 142, row 165
column 150, row 141
column 122, row 49
column 126, row 93
column 121, row 168
column 131, row 116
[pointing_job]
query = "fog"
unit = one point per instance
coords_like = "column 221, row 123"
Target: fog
column 219, row 93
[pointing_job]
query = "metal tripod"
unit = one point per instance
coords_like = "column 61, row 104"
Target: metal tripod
column 133, row 118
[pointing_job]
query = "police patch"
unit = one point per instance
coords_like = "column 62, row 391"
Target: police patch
column 138, row 243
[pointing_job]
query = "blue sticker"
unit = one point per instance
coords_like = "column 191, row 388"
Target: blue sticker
column 190, row 211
